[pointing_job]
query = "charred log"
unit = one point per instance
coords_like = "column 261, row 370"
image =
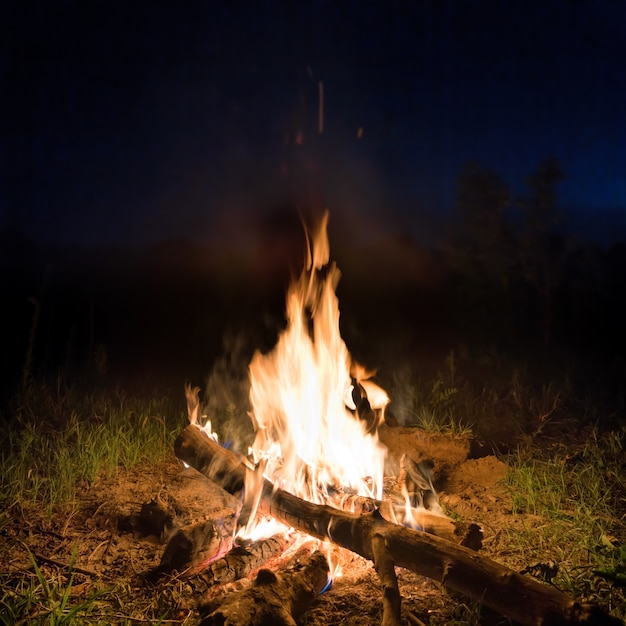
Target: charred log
column 195, row 544
column 277, row 599
column 240, row 562
column 461, row 570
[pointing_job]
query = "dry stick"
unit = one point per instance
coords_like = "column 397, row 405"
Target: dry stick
column 385, row 568
column 414, row 619
column 497, row 587
column 67, row 566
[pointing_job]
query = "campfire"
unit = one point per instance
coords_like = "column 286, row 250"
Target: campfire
column 319, row 484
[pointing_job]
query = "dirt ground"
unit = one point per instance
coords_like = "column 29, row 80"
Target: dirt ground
column 109, row 528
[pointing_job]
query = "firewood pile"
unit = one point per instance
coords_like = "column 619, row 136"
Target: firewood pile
column 287, row 574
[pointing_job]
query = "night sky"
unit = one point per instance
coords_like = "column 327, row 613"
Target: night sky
column 132, row 122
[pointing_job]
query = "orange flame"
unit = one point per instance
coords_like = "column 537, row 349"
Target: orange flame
column 308, row 440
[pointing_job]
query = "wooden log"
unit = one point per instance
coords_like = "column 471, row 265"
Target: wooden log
column 393, row 509
column 278, row 599
column 386, row 570
column 458, row 568
column 240, row 562
column 228, row 471
column 195, row 544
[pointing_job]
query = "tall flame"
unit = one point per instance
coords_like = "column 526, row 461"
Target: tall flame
column 309, row 440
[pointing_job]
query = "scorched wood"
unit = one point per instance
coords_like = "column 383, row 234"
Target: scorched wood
column 241, row 561
column 460, row 569
column 277, row 599
column 195, row 544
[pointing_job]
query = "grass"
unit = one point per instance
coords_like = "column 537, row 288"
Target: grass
column 436, row 404
column 55, row 598
column 49, row 600
column 573, row 501
column 59, row 438
column 566, row 474
column 569, row 493
column 481, row 395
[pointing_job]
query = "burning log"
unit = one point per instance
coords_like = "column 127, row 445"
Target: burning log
column 465, row 533
column 388, row 545
column 273, row 598
column 226, row 470
column 241, row 561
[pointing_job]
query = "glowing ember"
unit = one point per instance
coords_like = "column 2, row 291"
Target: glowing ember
column 309, row 441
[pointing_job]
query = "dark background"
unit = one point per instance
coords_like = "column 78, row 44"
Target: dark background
column 157, row 157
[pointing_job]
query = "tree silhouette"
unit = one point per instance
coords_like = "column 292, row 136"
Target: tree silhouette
column 485, row 237
column 482, row 250
column 542, row 247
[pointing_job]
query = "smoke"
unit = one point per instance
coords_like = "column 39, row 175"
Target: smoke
column 227, row 402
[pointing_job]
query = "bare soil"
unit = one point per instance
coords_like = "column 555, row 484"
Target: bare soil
column 109, row 528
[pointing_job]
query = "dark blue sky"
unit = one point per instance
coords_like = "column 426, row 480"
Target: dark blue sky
column 137, row 121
